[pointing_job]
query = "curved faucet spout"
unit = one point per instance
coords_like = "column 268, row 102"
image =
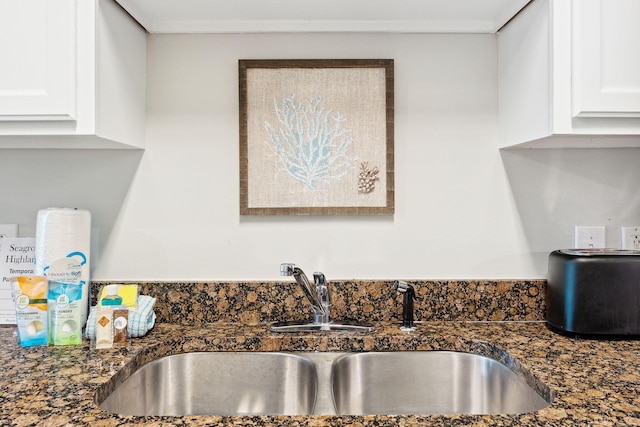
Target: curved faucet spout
column 320, row 307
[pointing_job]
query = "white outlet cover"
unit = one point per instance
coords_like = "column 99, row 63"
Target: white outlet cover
column 630, row 237
column 589, row 236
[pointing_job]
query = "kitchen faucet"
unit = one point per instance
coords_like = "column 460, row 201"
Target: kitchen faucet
column 318, row 297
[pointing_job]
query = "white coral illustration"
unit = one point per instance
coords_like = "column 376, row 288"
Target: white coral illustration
column 310, row 143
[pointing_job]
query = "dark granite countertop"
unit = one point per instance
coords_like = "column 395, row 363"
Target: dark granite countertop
column 593, row 382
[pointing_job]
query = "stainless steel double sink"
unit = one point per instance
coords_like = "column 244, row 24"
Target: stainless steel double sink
column 324, row 383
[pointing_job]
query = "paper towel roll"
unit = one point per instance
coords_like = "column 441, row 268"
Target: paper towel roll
column 63, row 242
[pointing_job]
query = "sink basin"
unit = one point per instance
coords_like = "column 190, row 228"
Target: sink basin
column 218, row 383
column 429, row 382
column 323, row 383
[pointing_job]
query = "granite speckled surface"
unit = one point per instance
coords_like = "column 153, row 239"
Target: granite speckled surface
column 593, row 382
column 370, row 300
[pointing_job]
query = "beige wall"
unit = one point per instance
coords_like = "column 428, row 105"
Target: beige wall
column 464, row 209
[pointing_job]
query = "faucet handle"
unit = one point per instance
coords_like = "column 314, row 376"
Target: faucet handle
column 322, row 291
column 321, row 288
column 319, row 279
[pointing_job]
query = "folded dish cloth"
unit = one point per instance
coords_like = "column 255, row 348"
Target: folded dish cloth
column 141, row 319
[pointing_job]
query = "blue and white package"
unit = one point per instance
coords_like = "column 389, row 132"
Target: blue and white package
column 64, row 304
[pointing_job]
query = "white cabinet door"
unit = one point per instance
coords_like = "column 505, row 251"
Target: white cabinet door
column 37, row 56
column 569, row 75
column 606, row 58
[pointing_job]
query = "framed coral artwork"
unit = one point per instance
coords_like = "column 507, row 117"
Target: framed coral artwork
column 316, row 137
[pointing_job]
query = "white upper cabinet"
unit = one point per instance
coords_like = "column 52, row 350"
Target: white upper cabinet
column 297, row 16
column 72, row 75
column 569, row 75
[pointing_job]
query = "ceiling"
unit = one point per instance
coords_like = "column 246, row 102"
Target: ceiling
column 268, row 16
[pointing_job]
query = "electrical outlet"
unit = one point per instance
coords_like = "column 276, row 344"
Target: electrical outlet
column 630, row 237
column 587, row 237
